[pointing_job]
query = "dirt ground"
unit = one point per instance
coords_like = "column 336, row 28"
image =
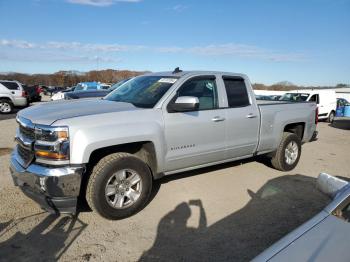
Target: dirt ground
column 227, row 212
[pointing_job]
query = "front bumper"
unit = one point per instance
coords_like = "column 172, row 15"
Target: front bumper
column 56, row 189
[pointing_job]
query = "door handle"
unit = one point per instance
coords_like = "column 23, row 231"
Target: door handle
column 218, row 119
column 251, row 115
column 13, row 92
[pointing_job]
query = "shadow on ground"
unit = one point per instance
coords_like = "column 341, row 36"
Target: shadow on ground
column 277, row 208
column 341, row 124
column 47, row 241
column 9, row 116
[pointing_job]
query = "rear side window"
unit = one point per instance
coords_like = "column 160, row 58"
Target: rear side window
column 236, row 90
column 10, row 85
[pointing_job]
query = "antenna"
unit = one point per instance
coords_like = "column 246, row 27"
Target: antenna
column 177, row 70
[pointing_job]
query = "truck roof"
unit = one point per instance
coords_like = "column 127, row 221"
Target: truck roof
column 183, row 73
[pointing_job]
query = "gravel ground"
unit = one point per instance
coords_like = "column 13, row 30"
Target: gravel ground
column 227, row 212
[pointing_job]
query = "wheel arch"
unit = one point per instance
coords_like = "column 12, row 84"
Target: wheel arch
column 6, row 97
column 296, row 128
column 144, row 150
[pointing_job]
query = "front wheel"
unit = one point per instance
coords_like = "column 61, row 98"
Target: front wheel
column 288, row 153
column 119, row 186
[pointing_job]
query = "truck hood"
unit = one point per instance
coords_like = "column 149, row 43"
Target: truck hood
column 48, row 113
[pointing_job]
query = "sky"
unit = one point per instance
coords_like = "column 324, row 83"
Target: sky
column 306, row 42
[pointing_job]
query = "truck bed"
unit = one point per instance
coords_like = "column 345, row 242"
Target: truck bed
column 275, row 115
column 272, row 102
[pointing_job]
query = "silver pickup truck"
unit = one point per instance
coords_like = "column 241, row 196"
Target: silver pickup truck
column 109, row 151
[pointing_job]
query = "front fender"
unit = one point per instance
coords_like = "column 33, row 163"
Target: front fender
column 90, row 133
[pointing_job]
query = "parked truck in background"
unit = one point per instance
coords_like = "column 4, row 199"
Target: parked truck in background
column 109, row 151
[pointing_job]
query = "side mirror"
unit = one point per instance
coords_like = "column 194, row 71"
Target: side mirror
column 185, row 104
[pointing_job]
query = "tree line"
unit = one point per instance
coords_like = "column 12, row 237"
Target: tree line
column 71, row 78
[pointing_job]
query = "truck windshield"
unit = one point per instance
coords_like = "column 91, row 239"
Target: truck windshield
column 118, row 84
column 142, row 91
column 294, row 97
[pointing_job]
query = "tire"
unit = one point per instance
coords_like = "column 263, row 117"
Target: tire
column 280, row 160
column 6, row 106
column 331, row 117
column 106, row 179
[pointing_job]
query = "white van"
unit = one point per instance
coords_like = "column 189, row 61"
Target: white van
column 326, row 100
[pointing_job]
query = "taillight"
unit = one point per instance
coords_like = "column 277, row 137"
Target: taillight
column 24, row 93
column 38, row 90
column 316, row 116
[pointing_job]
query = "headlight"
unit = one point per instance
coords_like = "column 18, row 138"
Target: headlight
column 51, row 145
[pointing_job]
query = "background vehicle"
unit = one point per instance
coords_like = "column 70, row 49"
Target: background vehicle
column 324, row 237
column 325, row 99
column 153, row 125
column 262, row 97
column 268, row 97
column 92, row 93
column 12, row 94
column 33, row 93
column 60, row 95
column 91, row 86
column 83, row 90
column 341, row 104
column 50, row 90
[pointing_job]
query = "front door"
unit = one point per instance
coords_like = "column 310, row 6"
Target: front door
column 197, row 137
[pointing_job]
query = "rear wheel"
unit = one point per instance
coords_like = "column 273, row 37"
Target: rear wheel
column 288, row 153
column 6, row 106
column 119, row 186
column 331, row 117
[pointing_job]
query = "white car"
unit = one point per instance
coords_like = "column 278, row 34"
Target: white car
column 58, row 96
column 325, row 99
column 12, row 95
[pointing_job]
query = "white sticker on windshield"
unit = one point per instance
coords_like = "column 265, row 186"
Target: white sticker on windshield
column 167, row 80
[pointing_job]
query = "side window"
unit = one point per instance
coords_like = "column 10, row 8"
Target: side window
column 341, row 102
column 315, row 98
column 202, row 87
column 10, row 85
column 236, row 90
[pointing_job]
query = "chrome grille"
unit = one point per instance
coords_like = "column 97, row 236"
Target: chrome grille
column 25, row 139
column 27, row 132
column 25, row 154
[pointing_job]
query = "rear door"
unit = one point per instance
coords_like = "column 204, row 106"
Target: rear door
column 197, row 137
column 242, row 118
column 323, row 109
